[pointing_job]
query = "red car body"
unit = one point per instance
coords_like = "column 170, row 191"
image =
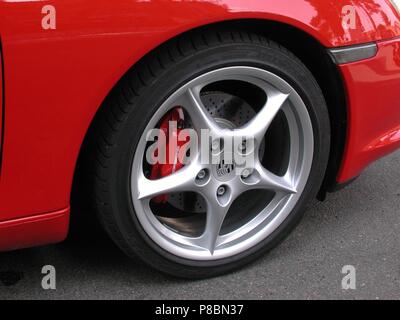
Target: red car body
column 54, row 81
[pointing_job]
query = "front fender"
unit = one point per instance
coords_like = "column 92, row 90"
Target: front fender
column 55, row 80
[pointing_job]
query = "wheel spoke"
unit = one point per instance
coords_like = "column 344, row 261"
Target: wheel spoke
column 216, row 214
column 272, row 182
column 182, row 180
column 259, row 125
column 199, row 115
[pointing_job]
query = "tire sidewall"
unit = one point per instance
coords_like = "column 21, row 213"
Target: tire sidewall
column 155, row 93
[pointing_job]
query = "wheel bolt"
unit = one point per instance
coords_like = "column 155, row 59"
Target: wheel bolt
column 246, row 173
column 221, row 191
column 243, row 146
column 201, row 175
column 215, row 145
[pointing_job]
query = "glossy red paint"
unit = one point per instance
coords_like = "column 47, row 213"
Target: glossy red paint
column 57, row 79
column 1, row 105
column 34, row 231
column 374, row 108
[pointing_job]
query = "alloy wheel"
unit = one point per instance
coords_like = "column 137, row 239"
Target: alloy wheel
column 214, row 188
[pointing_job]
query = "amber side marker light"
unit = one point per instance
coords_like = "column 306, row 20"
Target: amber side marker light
column 353, row 53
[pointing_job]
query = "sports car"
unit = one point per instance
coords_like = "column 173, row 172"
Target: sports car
column 197, row 130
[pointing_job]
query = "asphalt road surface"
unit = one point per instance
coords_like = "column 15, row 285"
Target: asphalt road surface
column 359, row 226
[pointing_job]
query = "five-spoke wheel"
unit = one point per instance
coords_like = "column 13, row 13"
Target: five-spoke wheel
column 220, row 189
column 239, row 182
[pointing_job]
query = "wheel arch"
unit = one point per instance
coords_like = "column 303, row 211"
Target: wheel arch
column 305, row 46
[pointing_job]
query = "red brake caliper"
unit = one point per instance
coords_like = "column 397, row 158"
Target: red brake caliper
column 173, row 148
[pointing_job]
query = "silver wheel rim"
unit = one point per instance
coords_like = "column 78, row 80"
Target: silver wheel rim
column 287, row 188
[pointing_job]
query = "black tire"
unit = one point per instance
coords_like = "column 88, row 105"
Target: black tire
column 136, row 98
